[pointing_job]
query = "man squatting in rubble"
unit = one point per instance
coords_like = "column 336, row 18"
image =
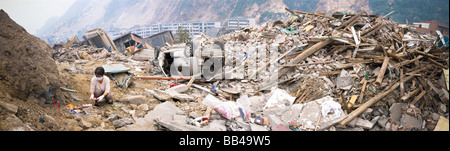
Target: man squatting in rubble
column 100, row 88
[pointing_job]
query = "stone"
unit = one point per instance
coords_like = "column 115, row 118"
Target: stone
column 160, row 95
column 435, row 116
column 84, row 124
column 113, row 117
column 383, row 111
column 375, row 120
column 364, row 123
column 136, row 99
column 382, row 121
column 344, row 83
column 368, row 111
column 413, row 122
column 183, row 97
column 133, row 106
column 143, row 107
column 352, row 123
column 122, row 122
column 50, row 121
column 376, row 113
column 396, row 111
column 179, row 88
column 388, row 126
column 13, row 123
column 11, row 108
column 164, row 111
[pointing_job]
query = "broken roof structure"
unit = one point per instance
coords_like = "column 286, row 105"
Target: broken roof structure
column 160, row 39
column 99, row 38
column 127, row 40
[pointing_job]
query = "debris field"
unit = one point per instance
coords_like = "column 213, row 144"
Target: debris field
column 345, row 72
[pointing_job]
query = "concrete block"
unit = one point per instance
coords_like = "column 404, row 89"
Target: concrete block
column 413, row 122
column 136, row 99
column 396, row 111
column 364, row 123
column 382, row 121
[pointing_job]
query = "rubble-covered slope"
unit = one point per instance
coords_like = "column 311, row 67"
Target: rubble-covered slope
column 26, row 64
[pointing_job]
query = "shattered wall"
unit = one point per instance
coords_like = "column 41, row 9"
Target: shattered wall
column 26, row 64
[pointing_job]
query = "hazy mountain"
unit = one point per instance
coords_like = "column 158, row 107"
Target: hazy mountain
column 87, row 14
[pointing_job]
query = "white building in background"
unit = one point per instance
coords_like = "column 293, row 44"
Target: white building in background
column 240, row 22
column 195, row 28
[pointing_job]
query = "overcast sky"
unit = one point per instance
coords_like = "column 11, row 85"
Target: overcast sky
column 32, row 14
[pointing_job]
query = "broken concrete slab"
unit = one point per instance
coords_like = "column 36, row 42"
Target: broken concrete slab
column 135, row 99
column 122, row 122
column 143, row 107
column 181, row 88
column 344, row 81
column 382, row 121
column 182, row 97
column 144, row 55
column 84, row 124
column 352, row 123
column 160, row 95
column 178, row 126
column 364, row 123
column 396, row 111
column 412, row 122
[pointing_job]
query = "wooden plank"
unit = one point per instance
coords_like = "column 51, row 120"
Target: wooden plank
column 382, row 70
column 371, row 102
column 271, row 62
column 304, row 55
column 402, row 84
column 410, row 94
column 344, row 25
column 362, row 91
column 417, row 98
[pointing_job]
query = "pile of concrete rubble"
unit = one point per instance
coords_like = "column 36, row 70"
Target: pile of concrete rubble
column 333, row 73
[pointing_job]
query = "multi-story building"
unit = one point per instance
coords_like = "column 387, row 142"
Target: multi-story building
column 240, row 22
column 195, row 28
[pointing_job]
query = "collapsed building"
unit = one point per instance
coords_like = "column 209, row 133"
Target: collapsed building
column 100, row 39
column 128, row 40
